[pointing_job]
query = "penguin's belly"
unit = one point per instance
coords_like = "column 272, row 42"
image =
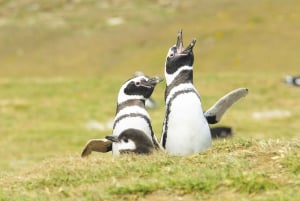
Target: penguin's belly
column 130, row 122
column 188, row 131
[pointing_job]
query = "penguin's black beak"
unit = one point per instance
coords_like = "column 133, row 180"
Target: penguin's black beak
column 152, row 81
column 179, row 44
column 112, row 138
column 189, row 48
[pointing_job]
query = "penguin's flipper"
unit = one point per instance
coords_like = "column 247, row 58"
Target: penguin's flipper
column 214, row 114
column 98, row 145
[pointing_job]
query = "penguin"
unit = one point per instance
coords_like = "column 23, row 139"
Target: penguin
column 132, row 141
column 131, row 111
column 185, row 128
column 131, row 119
column 292, row 80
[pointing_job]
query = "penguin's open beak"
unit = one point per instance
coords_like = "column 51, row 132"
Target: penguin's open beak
column 179, row 45
column 112, row 138
column 152, row 81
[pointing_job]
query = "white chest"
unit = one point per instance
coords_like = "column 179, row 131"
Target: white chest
column 185, row 126
column 131, row 118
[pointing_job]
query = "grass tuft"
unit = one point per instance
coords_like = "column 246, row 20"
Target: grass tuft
column 290, row 163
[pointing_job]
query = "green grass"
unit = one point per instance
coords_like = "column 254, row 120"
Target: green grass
column 250, row 169
column 61, row 66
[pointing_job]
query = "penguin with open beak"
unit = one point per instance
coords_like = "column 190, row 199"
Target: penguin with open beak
column 132, row 129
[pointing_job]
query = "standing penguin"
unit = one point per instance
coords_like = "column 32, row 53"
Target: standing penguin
column 185, row 128
column 132, row 129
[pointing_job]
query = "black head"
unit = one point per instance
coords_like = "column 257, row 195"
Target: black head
column 132, row 141
column 140, row 87
column 179, row 56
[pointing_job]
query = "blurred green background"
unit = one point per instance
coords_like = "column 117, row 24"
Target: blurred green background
column 88, row 38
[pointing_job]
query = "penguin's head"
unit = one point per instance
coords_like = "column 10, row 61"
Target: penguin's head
column 179, row 57
column 132, row 141
column 139, row 87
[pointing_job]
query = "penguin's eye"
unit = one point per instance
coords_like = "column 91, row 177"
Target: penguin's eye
column 125, row 140
column 171, row 54
column 137, row 83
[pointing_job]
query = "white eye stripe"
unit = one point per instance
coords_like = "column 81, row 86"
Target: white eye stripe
column 171, row 52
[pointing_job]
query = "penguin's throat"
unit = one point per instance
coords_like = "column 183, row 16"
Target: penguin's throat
column 124, row 97
column 184, row 77
column 131, row 102
column 184, row 74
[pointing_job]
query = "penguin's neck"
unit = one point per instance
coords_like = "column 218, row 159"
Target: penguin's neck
column 131, row 102
column 184, row 77
column 177, row 74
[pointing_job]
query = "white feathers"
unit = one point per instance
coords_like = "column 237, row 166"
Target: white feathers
column 170, row 78
column 126, row 145
column 132, row 110
column 188, row 131
column 136, row 122
column 180, row 87
column 131, row 117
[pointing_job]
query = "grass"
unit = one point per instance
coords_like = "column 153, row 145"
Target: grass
column 61, row 66
column 250, row 169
